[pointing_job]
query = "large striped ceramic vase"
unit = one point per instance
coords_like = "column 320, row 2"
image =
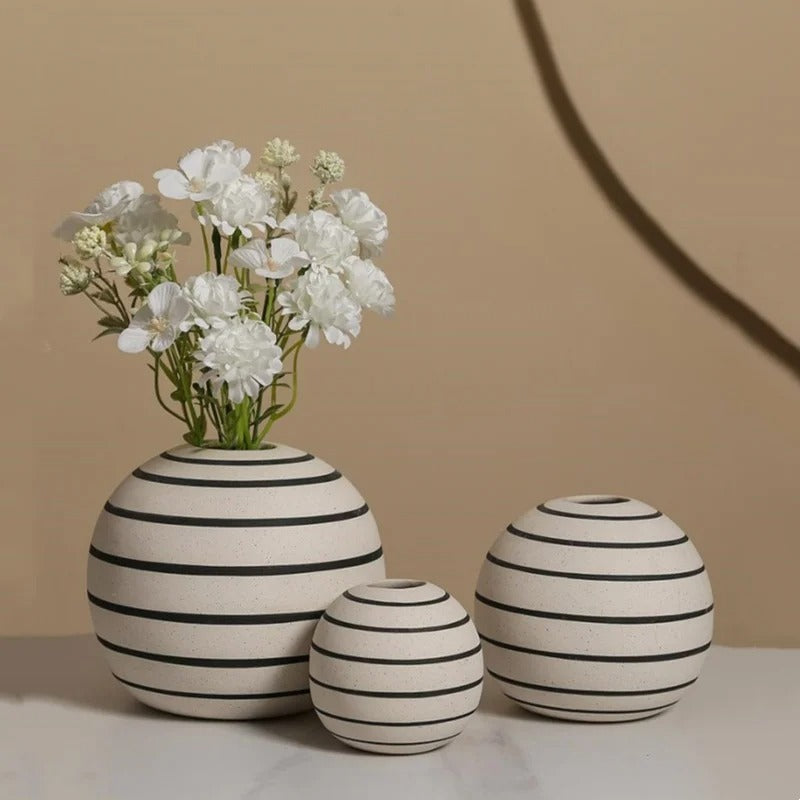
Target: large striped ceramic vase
column 209, row 569
column 396, row 667
column 594, row 608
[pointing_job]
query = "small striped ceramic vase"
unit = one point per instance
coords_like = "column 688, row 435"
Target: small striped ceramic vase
column 209, row 569
column 594, row 608
column 396, row 667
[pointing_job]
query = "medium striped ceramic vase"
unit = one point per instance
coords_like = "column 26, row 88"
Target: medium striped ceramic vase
column 209, row 569
column 594, row 608
column 396, row 667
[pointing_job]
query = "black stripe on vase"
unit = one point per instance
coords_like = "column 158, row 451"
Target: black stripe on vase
column 234, row 522
column 368, row 601
column 584, row 576
column 193, row 661
column 232, row 484
column 590, row 692
column 380, row 629
column 248, row 570
column 652, row 709
column 394, row 744
column 397, row 661
column 575, row 515
column 536, row 537
column 603, row 659
column 416, row 723
column 206, row 619
column 603, row 620
column 208, row 696
column 367, row 693
column 229, row 462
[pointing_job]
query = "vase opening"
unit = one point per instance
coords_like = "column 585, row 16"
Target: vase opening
column 598, row 500
column 401, row 584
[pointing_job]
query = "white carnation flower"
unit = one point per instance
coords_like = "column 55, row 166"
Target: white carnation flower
column 203, row 174
column 323, row 236
column 106, row 207
column 244, row 204
column 241, row 354
column 157, row 323
column 282, row 258
column 320, row 301
column 369, row 285
column 363, row 217
column 214, row 299
column 145, row 218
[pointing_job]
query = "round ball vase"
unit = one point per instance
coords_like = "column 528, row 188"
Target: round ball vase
column 209, row 569
column 594, row 608
column 396, row 667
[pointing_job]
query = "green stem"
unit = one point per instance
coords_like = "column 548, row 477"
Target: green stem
column 216, row 241
column 156, row 371
column 290, row 405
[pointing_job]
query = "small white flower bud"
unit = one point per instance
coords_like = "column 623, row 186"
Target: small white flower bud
column 74, row 278
column 90, row 242
column 328, row 167
column 279, row 153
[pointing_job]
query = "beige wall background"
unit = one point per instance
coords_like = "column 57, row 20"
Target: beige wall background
column 539, row 349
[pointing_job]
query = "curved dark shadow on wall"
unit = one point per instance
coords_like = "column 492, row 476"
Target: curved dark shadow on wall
column 634, row 214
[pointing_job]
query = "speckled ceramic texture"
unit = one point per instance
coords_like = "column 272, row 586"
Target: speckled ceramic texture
column 209, row 569
column 396, row 667
column 594, row 608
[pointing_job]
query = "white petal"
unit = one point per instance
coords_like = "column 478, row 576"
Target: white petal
column 253, row 255
column 179, row 309
column 172, row 183
column 283, row 248
column 278, row 274
column 312, row 339
column 191, row 163
column 163, row 340
column 133, row 340
column 161, row 298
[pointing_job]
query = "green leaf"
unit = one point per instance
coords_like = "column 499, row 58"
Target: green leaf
column 112, row 322
column 106, row 332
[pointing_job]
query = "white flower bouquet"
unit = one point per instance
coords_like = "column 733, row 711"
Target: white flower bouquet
column 227, row 340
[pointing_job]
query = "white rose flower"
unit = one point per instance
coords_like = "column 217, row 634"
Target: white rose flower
column 157, row 323
column 145, row 218
column 364, row 218
column 323, row 236
column 320, row 301
column 202, row 174
column 214, row 299
column 241, row 355
column 369, row 285
column 282, row 258
column 106, row 207
column 244, row 204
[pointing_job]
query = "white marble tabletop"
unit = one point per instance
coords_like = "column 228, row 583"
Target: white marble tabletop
column 69, row 732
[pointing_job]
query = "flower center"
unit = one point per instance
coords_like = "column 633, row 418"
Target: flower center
column 197, row 184
column 273, row 265
column 158, row 325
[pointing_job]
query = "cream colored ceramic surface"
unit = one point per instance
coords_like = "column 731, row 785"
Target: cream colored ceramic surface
column 209, row 569
column 396, row 667
column 594, row 608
